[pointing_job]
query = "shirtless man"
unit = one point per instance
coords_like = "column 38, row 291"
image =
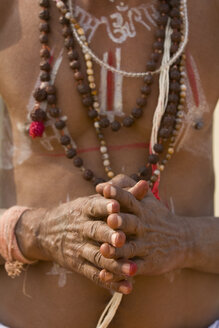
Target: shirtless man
column 177, row 282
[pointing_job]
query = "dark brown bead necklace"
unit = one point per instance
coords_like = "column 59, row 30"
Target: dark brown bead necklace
column 171, row 120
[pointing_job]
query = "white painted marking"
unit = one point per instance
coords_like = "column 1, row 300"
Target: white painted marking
column 121, row 24
column 103, row 87
column 195, row 113
column 57, row 270
column 118, row 98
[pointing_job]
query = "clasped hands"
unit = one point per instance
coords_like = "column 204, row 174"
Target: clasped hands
column 121, row 232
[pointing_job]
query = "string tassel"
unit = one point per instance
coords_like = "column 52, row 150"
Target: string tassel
column 110, row 311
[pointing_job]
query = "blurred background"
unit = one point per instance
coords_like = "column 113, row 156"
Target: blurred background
column 215, row 147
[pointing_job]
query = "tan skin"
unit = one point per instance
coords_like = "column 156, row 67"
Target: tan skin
column 177, row 281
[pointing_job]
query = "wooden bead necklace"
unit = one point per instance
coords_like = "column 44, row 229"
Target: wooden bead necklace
column 171, row 120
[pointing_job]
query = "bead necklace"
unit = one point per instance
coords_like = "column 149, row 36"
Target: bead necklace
column 171, row 121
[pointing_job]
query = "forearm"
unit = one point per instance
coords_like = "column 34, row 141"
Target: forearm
column 203, row 243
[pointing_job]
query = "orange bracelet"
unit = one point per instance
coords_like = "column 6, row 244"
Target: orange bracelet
column 9, row 249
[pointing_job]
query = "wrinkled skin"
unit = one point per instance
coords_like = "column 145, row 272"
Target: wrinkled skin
column 155, row 238
column 72, row 233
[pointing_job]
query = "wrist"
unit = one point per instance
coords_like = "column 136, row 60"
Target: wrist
column 189, row 243
column 27, row 232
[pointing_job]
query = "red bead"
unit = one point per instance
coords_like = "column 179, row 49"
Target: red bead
column 36, row 129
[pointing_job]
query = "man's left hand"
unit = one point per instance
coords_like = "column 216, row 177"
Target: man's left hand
column 157, row 239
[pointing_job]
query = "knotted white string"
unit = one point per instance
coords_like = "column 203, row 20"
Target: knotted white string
column 163, row 87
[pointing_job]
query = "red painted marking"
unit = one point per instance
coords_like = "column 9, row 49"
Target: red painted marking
column 110, row 82
column 95, row 149
column 192, row 80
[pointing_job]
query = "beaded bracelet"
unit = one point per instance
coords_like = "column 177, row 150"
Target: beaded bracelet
column 9, row 249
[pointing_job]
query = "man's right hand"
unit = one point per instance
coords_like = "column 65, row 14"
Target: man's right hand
column 70, row 235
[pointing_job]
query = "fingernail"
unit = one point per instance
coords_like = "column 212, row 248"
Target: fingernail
column 114, row 239
column 119, row 221
column 129, row 269
column 110, row 208
column 108, row 276
column 124, row 290
column 112, row 191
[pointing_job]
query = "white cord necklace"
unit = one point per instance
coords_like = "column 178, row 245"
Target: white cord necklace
column 100, row 62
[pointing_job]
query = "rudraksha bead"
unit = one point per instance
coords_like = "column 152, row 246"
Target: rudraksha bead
column 146, row 89
column 69, row 43
column 162, row 20
column 153, row 159
column 44, row 27
column 51, row 99
column 44, row 38
column 40, row 94
column 88, row 174
column 148, row 79
column 128, row 121
column 60, row 124
column 104, row 122
column 175, row 23
column 70, row 153
column 83, row 88
column 158, row 45
column 158, row 148
column 164, row 8
column 44, row 3
column 78, row 162
column 174, row 3
column 174, row 47
column 87, row 101
column 44, row 53
column 66, row 31
column 137, row 112
column 65, row 140
column 44, row 77
column 155, row 56
column 160, row 34
column 45, row 66
column 151, row 65
column 175, row 74
column 75, row 64
column 173, row 98
column 165, row 132
column 51, row 90
column 175, row 87
column 176, row 36
column 115, row 126
column 73, row 55
column 141, row 101
column 145, row 172
column 44, row 14
column 78, row 76
column 168, row 120
column 92, row 113
column 175, row 13
column 38, row 114
column 54, row 112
